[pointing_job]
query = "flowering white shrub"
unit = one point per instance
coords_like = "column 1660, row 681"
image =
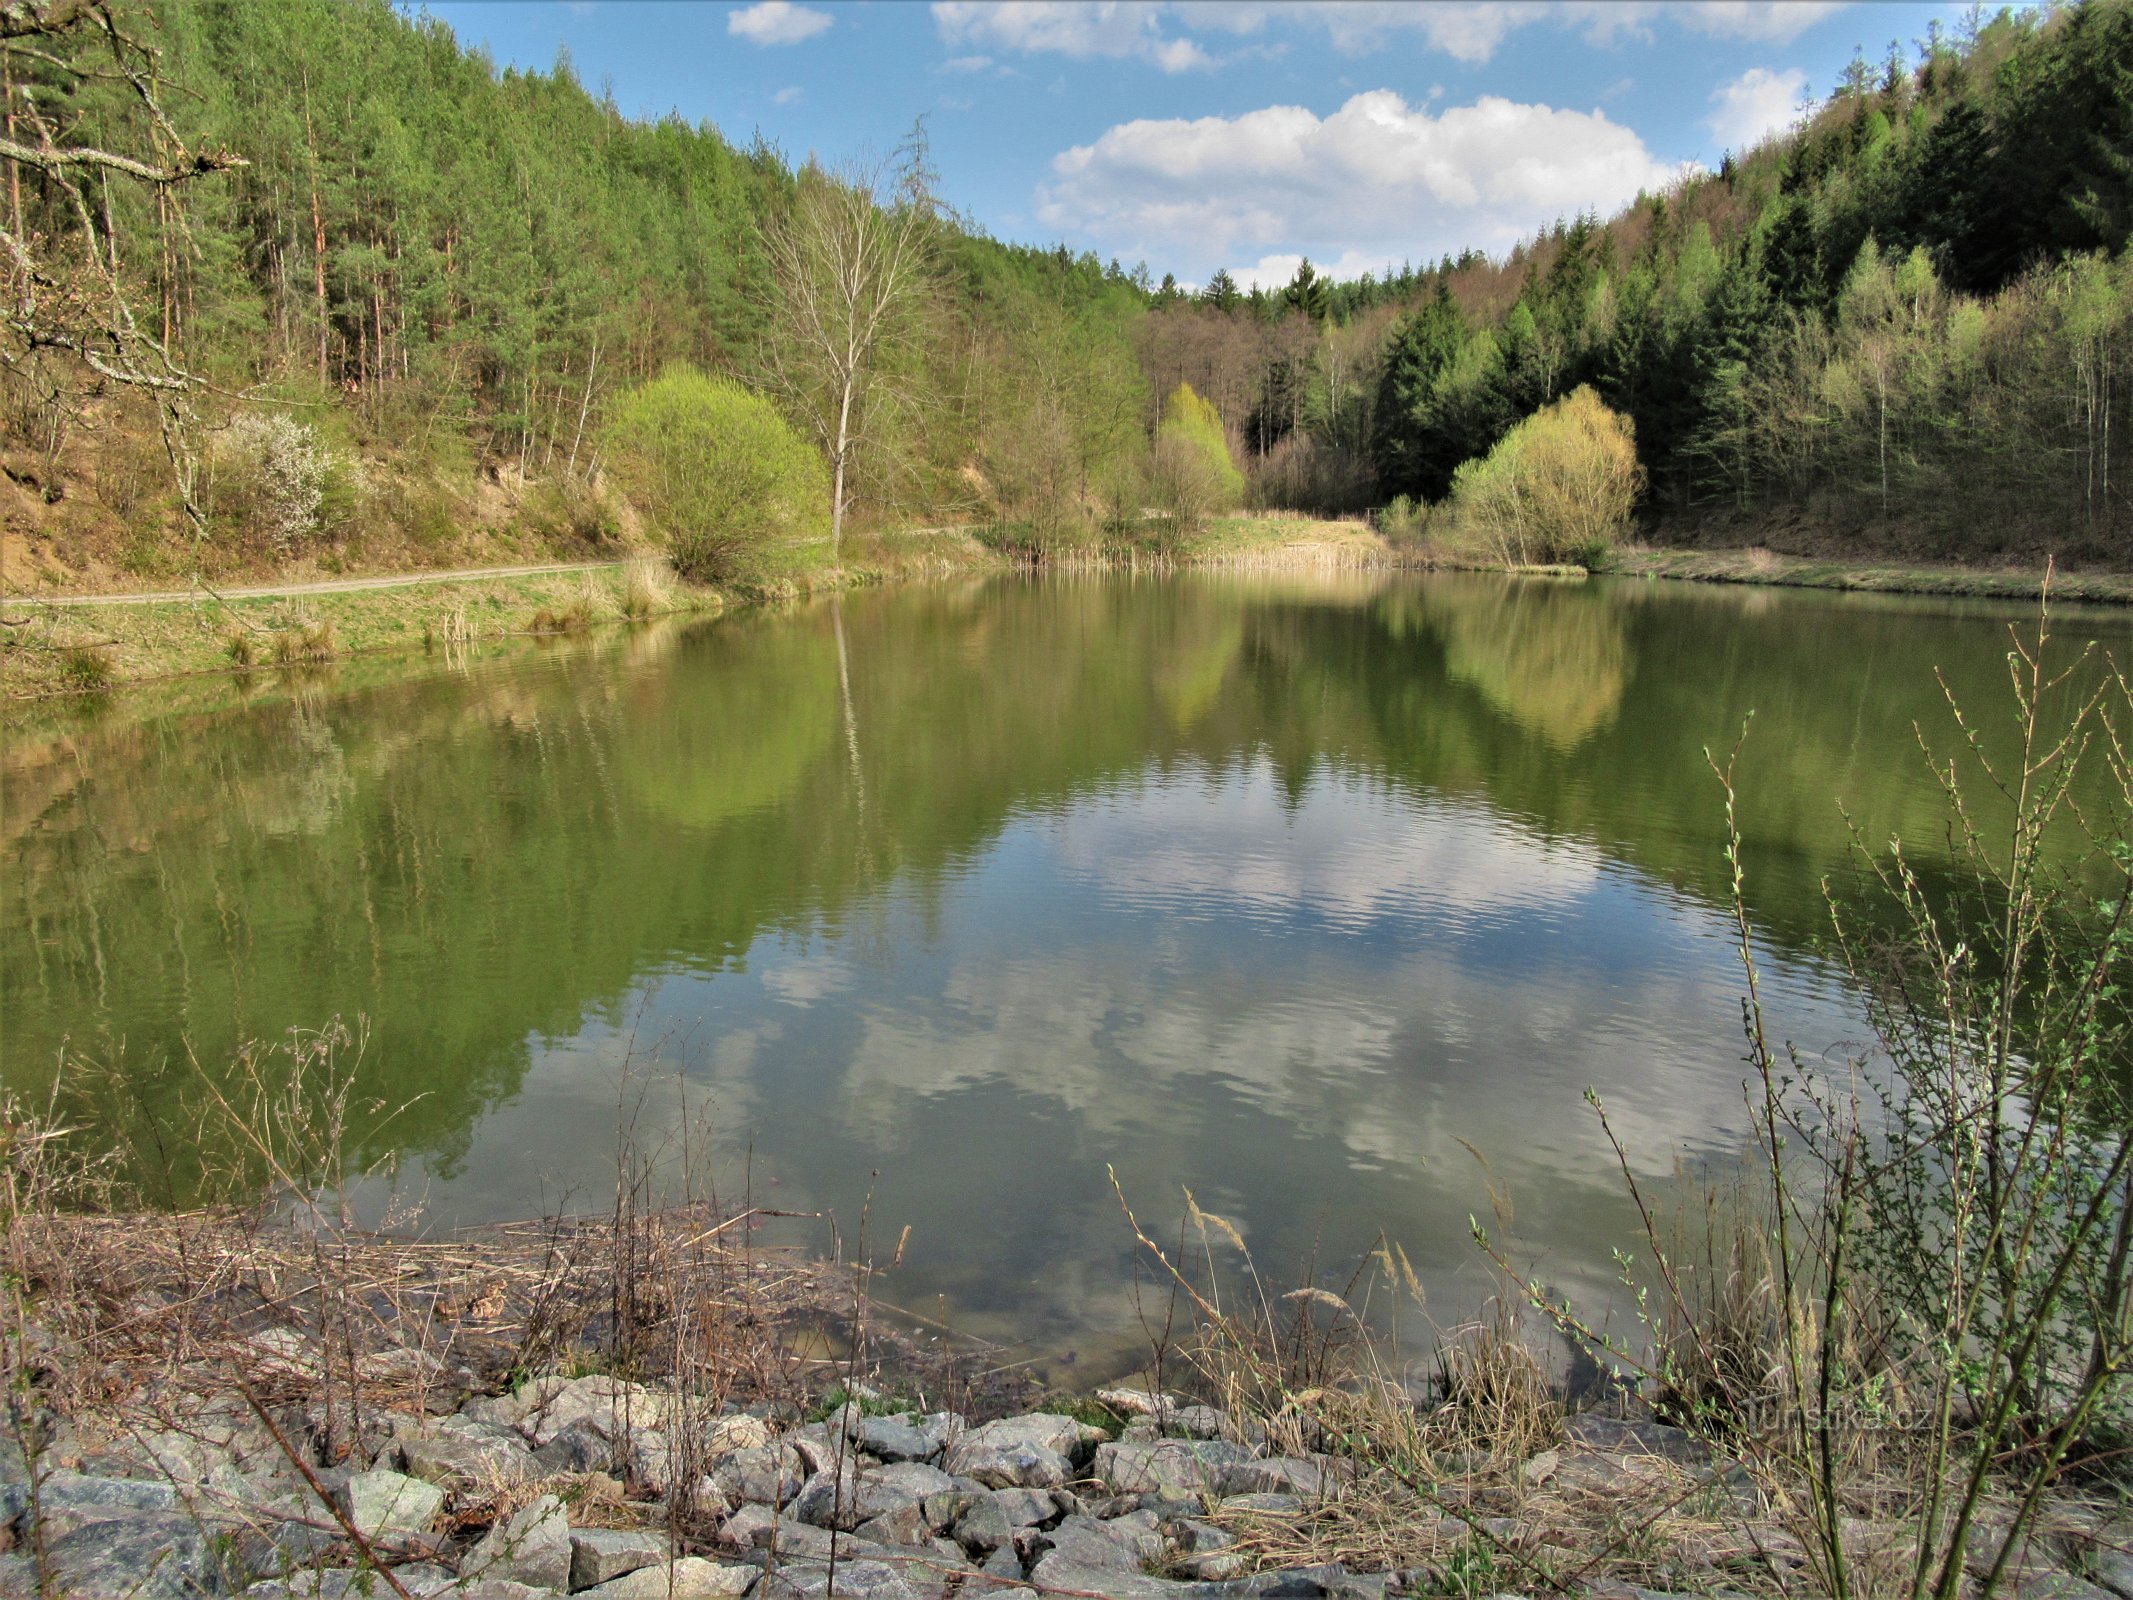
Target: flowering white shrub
column 281, row 470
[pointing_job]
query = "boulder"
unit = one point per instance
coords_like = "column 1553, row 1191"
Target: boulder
column 1008, row 1465
column 851, row 1580
column 1085, row 1542
column 389, row 1505
column 1176, row 1469
column 579, row 1448
column 456, row 1453
column 690, row 1578
column 611, row 1404
column 724, row 1435
column 141, row 1555
column 767, row 1476
column 1290, row 1475
column 531, row 1546
column 859, row 1493
column 600, row 1555
column 1618, row 1437
column 894, row 1439
column 352, row 1583
column 70, row 1500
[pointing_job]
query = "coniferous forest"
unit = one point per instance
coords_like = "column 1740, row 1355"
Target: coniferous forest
column 407, row 279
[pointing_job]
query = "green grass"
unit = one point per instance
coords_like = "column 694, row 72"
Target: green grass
column 171, row 638
column 1873, row 577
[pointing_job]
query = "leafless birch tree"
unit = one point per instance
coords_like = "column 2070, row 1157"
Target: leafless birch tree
column 65, row 292
column 851, row 263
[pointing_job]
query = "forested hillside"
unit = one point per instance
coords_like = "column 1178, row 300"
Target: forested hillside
column 412, row 285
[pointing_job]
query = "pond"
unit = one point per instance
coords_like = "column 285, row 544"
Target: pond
column 938, row 905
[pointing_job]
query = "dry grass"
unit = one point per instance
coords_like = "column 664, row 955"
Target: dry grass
column 329, row 1326
column 647, row 588
column 307, row 641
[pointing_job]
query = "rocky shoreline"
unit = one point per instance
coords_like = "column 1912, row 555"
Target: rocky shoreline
column 613, row 1490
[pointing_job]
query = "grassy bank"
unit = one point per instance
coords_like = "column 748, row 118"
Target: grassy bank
column 1758, row 566
column 52, row 649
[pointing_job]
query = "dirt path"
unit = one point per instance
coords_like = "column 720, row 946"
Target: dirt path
column 276, row 591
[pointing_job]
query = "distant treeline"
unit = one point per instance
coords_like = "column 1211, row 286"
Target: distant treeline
column 1905, row 321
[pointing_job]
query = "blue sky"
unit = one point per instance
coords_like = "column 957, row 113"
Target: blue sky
column 1238, row 133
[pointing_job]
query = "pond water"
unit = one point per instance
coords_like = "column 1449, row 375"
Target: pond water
column 1296, row 892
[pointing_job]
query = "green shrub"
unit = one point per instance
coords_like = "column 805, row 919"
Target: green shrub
column 85, row 668
column 1193, row 476
column 1404, row 520
column 1557, row 488
column 736, row 491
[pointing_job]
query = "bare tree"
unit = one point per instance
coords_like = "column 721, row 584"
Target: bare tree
column 65, row 292
column 851, row 264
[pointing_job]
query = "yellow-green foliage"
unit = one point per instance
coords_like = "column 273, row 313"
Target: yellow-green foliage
column 1193, row 464
column 1558, row 487
column 737, row 493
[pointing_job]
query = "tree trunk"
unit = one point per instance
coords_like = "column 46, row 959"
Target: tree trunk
column 318, row 230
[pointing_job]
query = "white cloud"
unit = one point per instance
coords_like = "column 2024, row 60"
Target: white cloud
column 1469, row 31
column 966, row 64
column 1116, row 29
column 1608, row 22
column 1774, row 21
column 1755, row 105
column 791, row 96
column 776, row 22
column 1466, row 30
column 1377, row 180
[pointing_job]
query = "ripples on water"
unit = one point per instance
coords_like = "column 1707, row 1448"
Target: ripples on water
column 1305, row 899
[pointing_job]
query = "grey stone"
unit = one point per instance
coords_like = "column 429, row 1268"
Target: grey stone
column 466, row 1455
column 905, row 1526
column 941, row 1429
column 1266, row 1505
column 1177, row 1469
column 851, row 1580
column 1027, row 1508
column 389, row 1504
column 1196, row 1422
column 769, row 1476
column 530, row 1546
column 819, row 1448
column 1292, row 1475
column 690, row 1578
column 984, row 1525
column 893, row 1439
column 1047, row 1430
column 1138, row 1402
column 1056, row 1571
column 503, row 1410
column 1085, row 1542
column 1196, row 1538
column 724, row 1435
column 1014, row 1464
column 600, row 1555
column 353, row 1583
column 861, row 1493
column 70, row 1500
column 762, row 1528
column 1617, row 1437
column 2113, row 1569
column 1003, row 1563
column 1213, row 1565
column 143, row 1555
column 581, row 1447
column 610, row 1404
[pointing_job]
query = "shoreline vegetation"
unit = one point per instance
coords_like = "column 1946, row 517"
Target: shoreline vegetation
column 84, row 647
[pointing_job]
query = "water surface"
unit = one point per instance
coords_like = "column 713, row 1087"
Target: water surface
column 1288, row 891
